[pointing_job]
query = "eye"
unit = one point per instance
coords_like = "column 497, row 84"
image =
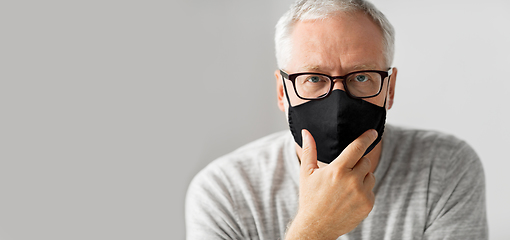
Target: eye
column 314, row 79
column 361, row 78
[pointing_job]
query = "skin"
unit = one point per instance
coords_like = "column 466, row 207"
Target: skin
column 335, row 198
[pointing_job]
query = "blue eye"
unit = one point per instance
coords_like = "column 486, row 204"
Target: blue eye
column 361, row 78
column 314, row 79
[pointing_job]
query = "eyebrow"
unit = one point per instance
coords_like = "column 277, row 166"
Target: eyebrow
column 311, row 68
column 355, row 68
column 364, row 67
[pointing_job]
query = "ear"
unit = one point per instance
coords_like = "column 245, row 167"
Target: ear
column 391, row 91
column 279, row 91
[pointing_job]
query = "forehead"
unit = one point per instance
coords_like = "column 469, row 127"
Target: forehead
column 338, row 44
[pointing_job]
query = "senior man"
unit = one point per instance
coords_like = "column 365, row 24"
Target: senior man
column 340, row 172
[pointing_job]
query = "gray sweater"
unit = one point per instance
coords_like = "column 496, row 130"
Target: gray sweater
column 428, row 186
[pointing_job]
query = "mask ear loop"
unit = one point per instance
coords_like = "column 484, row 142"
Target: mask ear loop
column 387, row 91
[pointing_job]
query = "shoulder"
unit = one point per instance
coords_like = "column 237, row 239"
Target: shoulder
column 261, row 156
column 441, row 158
column 427, row 143
column 451, row 173
column 257, row 155
column 419, row 136
column 250, row 191
column 431, row 154
column 221, row 196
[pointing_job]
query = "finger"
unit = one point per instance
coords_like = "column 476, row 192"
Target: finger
column 352, row 153
column 369, row 181
column 363, row 166
column 309, row 153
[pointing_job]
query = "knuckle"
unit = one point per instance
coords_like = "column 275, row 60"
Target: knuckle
column 371, row 176
column 353, row 183
column 306, row 150
column 358, row 147
column 367, row 203
column 337, row 175
column 306, row 170
column 368, row 161
column 365, row 162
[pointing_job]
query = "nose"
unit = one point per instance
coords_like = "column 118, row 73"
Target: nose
column 338, row 84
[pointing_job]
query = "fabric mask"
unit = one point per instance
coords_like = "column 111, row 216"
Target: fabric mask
column 335, row 122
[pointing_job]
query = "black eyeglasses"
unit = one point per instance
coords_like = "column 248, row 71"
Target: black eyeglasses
column 359, row 84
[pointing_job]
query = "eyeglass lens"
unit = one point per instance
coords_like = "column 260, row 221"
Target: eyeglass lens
column 361, row 84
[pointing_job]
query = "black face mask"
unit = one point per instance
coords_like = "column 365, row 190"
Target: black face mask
column 335, row 122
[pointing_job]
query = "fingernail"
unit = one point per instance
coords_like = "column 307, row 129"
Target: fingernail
column 303, row 136
column 374, row 133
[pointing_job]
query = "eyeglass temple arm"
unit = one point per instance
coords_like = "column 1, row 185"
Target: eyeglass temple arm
column 284, row 74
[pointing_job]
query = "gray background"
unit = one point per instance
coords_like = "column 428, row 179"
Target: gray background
column 109, row 108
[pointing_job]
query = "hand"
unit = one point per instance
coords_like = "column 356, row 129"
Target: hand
column 333, row 199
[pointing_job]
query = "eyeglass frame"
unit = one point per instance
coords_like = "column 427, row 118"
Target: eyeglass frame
column 292, row 78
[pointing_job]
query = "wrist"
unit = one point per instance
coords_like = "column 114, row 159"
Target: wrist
column 304, row 228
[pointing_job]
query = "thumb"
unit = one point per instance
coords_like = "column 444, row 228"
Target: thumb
column 309, row 153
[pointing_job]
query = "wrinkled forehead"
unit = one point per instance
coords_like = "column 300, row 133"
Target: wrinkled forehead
column 342, row 41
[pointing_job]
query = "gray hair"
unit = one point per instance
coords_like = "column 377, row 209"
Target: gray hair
column 321, row 9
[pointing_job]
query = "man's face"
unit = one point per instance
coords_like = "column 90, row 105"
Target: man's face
column 336, row 46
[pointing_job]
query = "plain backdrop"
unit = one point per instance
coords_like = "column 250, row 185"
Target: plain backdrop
column 109, row 108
